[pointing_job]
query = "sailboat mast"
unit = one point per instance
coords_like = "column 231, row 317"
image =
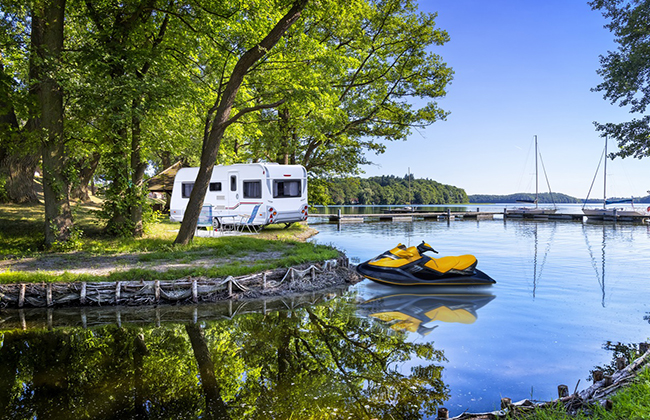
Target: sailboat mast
column 536, row 175
column 605, row 177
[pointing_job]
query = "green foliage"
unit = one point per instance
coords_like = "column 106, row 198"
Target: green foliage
column 626, row 79
column 512, row 198
column 390, row 189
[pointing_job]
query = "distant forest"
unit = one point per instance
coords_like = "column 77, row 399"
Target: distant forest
column 557, row 198
column 388, row 190
column 394, row 190
column 513, row 198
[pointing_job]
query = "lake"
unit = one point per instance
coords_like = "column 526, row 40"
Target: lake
column 567, row 294
column 564, row 291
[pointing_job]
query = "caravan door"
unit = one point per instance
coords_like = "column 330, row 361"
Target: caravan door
column 233, row 190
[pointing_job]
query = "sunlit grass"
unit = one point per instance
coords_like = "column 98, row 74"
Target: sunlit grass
column 21, row 235
column 631, row 402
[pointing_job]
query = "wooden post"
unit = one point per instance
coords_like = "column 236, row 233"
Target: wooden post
column 443, row 413
column 562, row 391
column 48, row 294
column 23, row 321
column 608, row 380
column 448, row 214
column 195, row 291
column 506, row 403
column 598, row 375
column 118, row 318
column 157, row 290
column 643, row 348
column 264, row 281
column 21, row 295
column 312, row 273
column 118, row 287
column 49, row 318
column 339, row 215
column 620, row 363
column 82, row 294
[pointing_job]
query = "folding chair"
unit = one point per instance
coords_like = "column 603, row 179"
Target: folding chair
column 205, row 220
column 246, row 222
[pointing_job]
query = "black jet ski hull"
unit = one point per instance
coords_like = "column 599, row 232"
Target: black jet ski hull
column 400, row 277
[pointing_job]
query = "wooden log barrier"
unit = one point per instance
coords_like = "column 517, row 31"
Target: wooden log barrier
column 160, row 291
column 562, row 391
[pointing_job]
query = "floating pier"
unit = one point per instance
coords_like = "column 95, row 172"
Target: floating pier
column 472, row 215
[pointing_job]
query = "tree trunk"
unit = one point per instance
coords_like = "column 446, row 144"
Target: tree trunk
column 47, row 44
column 86, row 172
column 17, row 161
column 137, row 174
column 222, row 119
column 215, row 407
column 19, row 174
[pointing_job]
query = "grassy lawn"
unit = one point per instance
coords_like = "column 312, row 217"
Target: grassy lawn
column 21, row 236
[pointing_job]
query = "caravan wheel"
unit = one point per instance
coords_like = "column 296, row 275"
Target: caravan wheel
column 216, row 224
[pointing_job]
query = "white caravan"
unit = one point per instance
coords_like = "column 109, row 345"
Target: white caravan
column 278, row 191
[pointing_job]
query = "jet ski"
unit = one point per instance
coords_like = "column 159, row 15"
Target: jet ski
column 409, row 267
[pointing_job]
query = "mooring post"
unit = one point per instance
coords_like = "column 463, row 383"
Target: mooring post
column 448, row 214
column 338, row 214
column 506, row 403
column 443, row 413
column 562, row 391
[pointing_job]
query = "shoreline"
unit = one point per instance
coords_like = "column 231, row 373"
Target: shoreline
column 270, row 283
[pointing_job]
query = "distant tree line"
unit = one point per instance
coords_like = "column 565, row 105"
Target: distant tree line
column 513, row 198
column 389, row 190
column 557, row 198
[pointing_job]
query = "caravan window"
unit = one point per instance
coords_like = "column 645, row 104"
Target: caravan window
column 187, row 189
column 233, row 182
column 285, row 189
column 252, row 189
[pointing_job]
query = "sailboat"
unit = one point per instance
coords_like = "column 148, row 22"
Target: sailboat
column 611, row 213
column 532, row 211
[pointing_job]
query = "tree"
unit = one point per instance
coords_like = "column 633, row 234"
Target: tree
column 363, row 76
column 626, row 73
column 47, row 46
column 219, row 116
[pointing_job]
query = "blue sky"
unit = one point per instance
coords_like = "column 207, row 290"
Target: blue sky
column 522, row 68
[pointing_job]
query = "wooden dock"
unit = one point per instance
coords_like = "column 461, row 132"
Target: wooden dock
column 453, row 215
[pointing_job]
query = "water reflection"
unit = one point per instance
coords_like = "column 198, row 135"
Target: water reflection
column 312, row 361
column 416, row 310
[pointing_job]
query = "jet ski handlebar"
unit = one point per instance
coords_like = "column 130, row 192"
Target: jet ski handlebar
column 424, row 247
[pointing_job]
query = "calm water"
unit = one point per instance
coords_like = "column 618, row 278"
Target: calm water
column 564, row 290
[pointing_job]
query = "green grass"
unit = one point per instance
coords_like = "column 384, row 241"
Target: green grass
column 21, row 236
column 632, row 402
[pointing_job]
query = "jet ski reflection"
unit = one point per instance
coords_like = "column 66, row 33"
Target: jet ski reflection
column 414, row 311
